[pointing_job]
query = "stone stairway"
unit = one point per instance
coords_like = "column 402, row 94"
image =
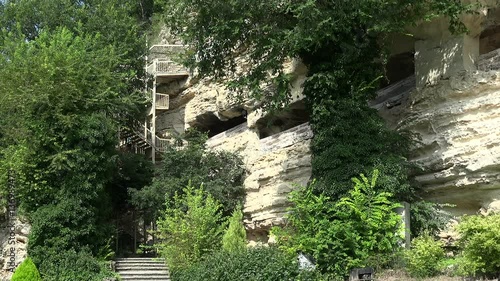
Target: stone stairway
column 142, row 269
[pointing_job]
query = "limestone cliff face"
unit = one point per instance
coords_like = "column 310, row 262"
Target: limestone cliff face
column 451, row 99
column 274, row 166
column 13, row 239
column 458, row 121
column 274, row 148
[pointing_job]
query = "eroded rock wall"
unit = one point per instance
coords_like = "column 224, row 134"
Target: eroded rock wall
column 14, row 242
column 451, row 100
column 275, row 151
column 458, row 121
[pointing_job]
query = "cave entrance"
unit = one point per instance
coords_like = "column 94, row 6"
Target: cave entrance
column 211, row 124
column 295, row 114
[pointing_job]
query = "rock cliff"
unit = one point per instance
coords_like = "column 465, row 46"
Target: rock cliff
column 458, row 121
column 450, row 99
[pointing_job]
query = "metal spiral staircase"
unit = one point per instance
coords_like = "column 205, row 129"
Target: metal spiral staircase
column 142, row 137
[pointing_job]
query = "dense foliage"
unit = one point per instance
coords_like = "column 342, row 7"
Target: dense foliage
column 71, row 265
column 26, row 271
column 220, row 172
column 190, row 227
column 344, row 234
column 425, row 256
column 69, row 70
column 428, row 217
column 480, row 245
column 341, row 43
column 254, row 264
column 235, row 237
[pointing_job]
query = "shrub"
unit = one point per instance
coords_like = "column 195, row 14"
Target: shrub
column 344, row 234
column 480, row 244
column 235, row 237
column 256, row 264
column 26, row 271
column 189, row 228
column 220, row 172
column 425, row 256
column 428, row 217
column 71, row 265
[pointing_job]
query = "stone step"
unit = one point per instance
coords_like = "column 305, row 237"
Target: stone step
column 141, row 259
column 146, row 271
column 126, row 267
column 142, row 269
column 145, row 279
column 136, row 263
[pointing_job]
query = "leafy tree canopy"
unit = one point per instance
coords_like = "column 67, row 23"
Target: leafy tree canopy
column 68, row 72
column 266, row 33
column 248, row 43
column 221, row 173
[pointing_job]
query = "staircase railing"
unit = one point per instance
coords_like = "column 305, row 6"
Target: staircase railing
column 158, row 144
column 162, row 101
column 163, row 66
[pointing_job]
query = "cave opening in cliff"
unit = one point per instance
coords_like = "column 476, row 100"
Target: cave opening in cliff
column 211, row 124
column 295, row 114
column 489, row 40
column 399, row 67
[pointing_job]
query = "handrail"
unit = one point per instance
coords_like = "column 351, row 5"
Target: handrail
column 166, row 66
column 167, row 46
column 162, row 101
column 159, row 144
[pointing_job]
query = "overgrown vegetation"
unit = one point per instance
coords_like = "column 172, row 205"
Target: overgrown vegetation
column 425, row 257
column 344, row 234
column 220, row 172
column 26, row 271
column 70, row 74
column 268, row 264
column 190, row 227
column 480, row 245
column 235, row 237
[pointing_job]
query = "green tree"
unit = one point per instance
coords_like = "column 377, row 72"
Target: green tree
column 480, row 245
column 26, row 271
column 344, row 234
column 190, row 227
column 235, row 237
column 425, row 257
column 68, row 72
column 341, row 43
column 220, row 172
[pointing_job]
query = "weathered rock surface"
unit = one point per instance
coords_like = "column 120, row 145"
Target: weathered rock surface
column 458, row 121
column 274, row 164
column 14, row 239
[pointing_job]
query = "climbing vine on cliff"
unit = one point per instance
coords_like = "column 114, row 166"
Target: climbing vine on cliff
column 341, row 44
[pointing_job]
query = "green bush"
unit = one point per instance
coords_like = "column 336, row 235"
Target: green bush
column 425, row 256
column 480, row 245
column 191, row 227
column 428, row 217
column 220, row 172
column 235, row 237
column 71, row 265
column 253, row 264
column 26, row 271
column 344, row 234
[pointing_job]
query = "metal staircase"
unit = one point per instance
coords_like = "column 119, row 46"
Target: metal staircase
column 142, row 137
